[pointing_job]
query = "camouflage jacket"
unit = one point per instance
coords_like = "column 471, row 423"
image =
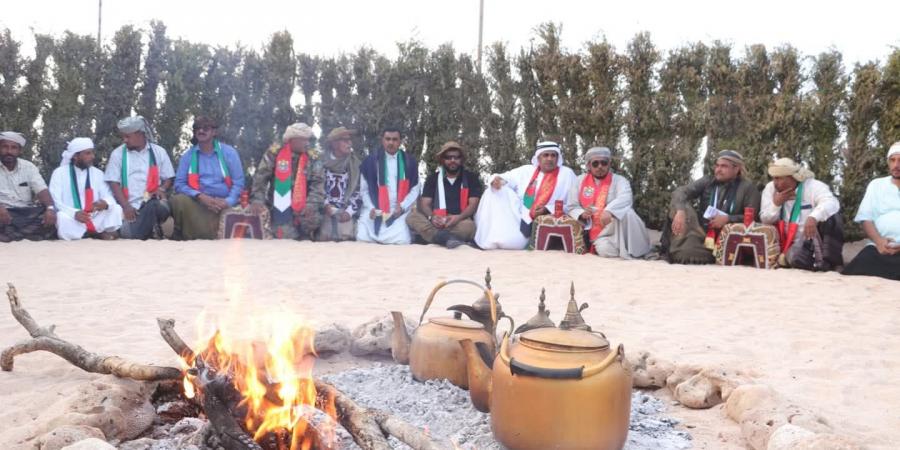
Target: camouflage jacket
column 262, row 189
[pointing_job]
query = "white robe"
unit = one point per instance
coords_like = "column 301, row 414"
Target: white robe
column 398, row 232
column 500, row 212
column 626, row 236
column 61, row 190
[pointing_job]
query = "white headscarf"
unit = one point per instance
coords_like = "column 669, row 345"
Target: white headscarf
column 786, row 167
column 76, row 145
column 13, row 136
column 547, row 146
column 136, row 123
column 894, row 150
column 299, row 129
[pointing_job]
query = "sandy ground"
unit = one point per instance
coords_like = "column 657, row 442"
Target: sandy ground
column 829, row 342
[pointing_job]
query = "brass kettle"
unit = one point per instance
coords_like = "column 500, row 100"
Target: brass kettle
column 433, row 352
column 555, row 388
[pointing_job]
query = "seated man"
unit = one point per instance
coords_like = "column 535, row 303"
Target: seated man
column 723, row 197
column 799, row 222
column 26, row 208
column 342, row 198
column 139, row 173
column 208, row 181
column 879, row 213
column 602, row 202
column 517, row 197
column 288, row 181
column 86, row 205
column 389, row 186
column 448, row 201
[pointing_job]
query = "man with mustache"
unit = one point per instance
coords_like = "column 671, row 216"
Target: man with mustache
column 26, row 208
column 879, row 214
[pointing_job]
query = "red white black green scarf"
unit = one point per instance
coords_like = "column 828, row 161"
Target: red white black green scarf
column 88, row 194
column 590, row 196
column 288, row 191
column 152, row 172
column 194, row 170
column 441, row 196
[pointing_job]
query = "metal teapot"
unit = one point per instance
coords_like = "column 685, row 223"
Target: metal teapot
column 556, row 388
column 433, row 351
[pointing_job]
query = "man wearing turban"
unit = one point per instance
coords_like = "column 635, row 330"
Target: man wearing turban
column 602, row 202
column 805, row 212
column 86, row 205
column 139, row 173
column 879, row 214
column 26, row 208
column 289, row 181
column 722, row 198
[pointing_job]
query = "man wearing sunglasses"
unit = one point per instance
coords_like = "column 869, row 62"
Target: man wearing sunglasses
column 209, row 180
column 507, row 211
column 602, row 201
column 448, row 202
column 692, row 236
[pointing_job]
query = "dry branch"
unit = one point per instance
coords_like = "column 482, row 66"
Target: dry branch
column 405, row 432
column 44, row 339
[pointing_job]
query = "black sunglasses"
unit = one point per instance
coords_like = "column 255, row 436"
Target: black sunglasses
column 599, row 162
column 452, row 157
column 204, row 127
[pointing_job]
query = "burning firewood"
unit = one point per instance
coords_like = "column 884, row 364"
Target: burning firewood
column 221, row 402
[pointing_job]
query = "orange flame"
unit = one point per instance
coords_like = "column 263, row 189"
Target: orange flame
column 274, row 376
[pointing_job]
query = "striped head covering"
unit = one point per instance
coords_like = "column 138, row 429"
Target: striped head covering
column 786, row 167
column 134, row 124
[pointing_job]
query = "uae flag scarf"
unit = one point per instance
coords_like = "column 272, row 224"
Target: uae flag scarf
column 194, row 170
column 590, row 196
column 440, row 195
column 374, row 170
column 152, row 172
column 537, row 197
column 289, row 191
column 788, row 231
column 88, row 195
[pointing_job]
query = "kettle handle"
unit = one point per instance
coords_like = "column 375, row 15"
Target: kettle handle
column 583, row 372
column 487, row 292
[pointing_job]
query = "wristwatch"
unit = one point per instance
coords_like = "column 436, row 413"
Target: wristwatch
column 51, row 208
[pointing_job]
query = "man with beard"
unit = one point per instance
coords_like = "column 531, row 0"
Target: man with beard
column 722, row 196
column 448, row 202
column 85, row 203
column 139, row 173
column 209, row 180
column 389, row 186
column 879, row 214
column 602, row 202
column 806, row 214
column 21, row 217
column 340, row 169
column 506, row 211
column 288, row 181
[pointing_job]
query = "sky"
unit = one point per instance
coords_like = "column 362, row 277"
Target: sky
column 862, row 30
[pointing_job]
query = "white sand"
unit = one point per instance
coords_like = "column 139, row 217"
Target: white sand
column 829, row 342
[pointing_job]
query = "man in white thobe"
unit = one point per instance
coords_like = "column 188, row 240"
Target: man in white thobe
column 813, row 215
column 507, row 210
column 84, row 202
column 602, row 201
column 389, row 184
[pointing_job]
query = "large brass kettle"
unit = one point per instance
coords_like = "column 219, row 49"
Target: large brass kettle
column 554, row 388
column 433, row 351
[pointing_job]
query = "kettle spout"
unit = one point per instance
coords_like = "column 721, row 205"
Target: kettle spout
column 400, row 340
column 478, row 369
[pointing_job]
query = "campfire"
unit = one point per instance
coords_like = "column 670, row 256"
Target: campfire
column 264, row 385
column 256, row 394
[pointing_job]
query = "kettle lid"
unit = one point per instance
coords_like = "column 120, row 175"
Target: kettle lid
column 555, row 339
column 457, row 323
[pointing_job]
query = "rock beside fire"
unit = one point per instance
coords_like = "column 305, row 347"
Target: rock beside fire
column 374, row 336
column 67, row 435
column 90, row 444
column 333, row 338
column 649, row 371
